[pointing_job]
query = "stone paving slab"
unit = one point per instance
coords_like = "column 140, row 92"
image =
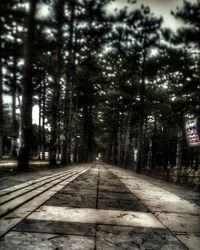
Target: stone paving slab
column 118, row 204
column 191, row 241
column 75, row 190
column 31, row 183
column 95, row 216
column 21, row 178
column 112, row 188
column 182, row 192
column 115, row 195
column 83, row 185
column 180, row 222
column 81, row 193
column 176, row 206
column 38, row 241
column 72, row 200
column 39, row 189
column 8, row 221
column 56, row 227
column 135, row 238
column 177, row 214
column 106, row 208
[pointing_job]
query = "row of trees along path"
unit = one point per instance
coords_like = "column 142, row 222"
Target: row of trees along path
column 111, row 84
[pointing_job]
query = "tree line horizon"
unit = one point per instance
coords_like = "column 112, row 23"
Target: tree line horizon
column 116, row 85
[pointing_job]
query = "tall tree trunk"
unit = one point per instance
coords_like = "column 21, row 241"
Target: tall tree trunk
column 40, row 121
column 178, row 153
column 75, row 92
column 84, row 146
column 126, row 140
column 43, row 118
column 140, row 156
column 120, row 140
column 90, row 143
column 154, row 145
column 27, row 92
column 69, row 90
column 14, row 120
column 1, row 101
column 115, row 144
column 59, row 12
column 14, row 91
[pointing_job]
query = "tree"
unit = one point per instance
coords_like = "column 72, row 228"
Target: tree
column 1, row 103
column 144, row 33
column 69, row 88
column 55, row 103
column 27, row 90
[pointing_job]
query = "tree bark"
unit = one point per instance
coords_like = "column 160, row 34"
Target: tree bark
column 140, row 158
column 66, row 150
column 178, row 153
column 40, row 121
column 43, row 118
column 126, row 140
column 1, row 102
column 115, row 143
column 55, row 105
column 14, row 119
column 27, row 92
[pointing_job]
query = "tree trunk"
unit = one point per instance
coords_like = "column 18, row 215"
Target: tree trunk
column 69, row 90
column 14, row 120
column 121, row 140
column 75, row 114
column 40, row 121
column 13, row 93
column 43, row 118
column 90, row 143
column 59, row 12
column 126, row 143
column 27, row 92
column 1, row 102
column 115, row 144
column 140, row 158
column 178, row 153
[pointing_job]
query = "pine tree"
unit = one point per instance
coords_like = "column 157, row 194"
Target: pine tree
column 27, row 90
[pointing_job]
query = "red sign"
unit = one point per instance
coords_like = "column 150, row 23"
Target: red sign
column 192, row 128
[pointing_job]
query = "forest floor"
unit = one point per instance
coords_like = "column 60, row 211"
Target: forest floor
column 96, row 206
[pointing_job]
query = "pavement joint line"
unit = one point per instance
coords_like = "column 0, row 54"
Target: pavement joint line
column 169, row 212
column 28, row 183
column 167, row 228
column 23, row 212
column 28, row 189
column 8, row 206
column 97, row 189
column 97, row 193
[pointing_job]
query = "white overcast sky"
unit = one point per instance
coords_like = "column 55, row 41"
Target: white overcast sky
column 158, row 7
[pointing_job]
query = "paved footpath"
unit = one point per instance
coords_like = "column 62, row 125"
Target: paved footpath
column 98, row 206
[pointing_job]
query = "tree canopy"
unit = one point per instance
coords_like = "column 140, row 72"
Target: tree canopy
column 114, row 86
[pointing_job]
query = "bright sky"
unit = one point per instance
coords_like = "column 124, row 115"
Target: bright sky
column 158, row 7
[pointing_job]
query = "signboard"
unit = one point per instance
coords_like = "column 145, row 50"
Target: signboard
column 192, row 128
